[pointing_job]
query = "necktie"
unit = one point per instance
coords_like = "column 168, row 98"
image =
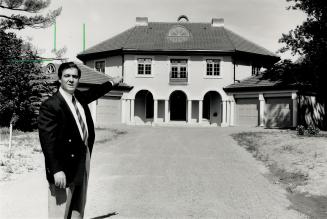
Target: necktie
column 81, row 122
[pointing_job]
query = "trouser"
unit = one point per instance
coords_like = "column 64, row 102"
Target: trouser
column 69, row 202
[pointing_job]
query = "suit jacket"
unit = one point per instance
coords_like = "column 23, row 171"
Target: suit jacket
column 60, row 138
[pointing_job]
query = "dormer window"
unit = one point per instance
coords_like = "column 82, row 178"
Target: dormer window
column 100, row 66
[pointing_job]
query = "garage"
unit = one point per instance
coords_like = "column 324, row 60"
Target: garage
column 247, row 112
column 108, row 111
column 278, row 112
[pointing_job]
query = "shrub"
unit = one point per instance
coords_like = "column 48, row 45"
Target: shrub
column 312, row 130
column 300, row 130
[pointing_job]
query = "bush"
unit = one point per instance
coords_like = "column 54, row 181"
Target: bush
column 310, row 131
column 300, row 130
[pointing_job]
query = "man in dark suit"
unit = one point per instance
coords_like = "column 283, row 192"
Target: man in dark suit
column 66, row 134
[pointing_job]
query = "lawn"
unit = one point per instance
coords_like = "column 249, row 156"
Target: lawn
column 298, row 163
column 26, row 153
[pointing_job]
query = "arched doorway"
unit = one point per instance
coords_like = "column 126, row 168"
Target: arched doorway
column 212, row 107
column 143, row 108
column 177, row 102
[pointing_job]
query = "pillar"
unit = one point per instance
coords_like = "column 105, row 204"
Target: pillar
column 223, row 124
column 123, row 110
column 189, row 111
column 166, row 111
column 132, row 110
column 232, row 113
column 155, row 110
column 200, row 111
column 262, row 110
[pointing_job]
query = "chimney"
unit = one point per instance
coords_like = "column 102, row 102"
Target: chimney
column 217, row 22
column 141, row 21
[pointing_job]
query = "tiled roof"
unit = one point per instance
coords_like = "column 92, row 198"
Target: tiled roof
column 88, row 76
column 259, row 82
column 154, row 37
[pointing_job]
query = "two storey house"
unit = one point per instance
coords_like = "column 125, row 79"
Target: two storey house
column 177, row 72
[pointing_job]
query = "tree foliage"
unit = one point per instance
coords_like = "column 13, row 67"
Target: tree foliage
column 18, row 14
column 21, row 83
column 309, row 40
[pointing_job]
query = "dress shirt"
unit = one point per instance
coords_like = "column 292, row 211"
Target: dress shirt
column 68, row 98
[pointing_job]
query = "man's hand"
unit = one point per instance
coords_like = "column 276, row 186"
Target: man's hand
column 116, row 80
column 60, row 179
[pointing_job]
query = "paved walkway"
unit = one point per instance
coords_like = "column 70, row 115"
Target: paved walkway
column 164, row 172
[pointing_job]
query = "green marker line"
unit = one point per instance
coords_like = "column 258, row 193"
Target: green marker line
column 84, row 37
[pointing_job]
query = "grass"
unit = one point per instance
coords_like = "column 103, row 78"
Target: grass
column 298, row 163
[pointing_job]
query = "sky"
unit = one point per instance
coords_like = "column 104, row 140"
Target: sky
column 260, row 21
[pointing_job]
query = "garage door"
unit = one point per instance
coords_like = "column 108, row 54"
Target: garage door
column 278, row 112
column 247, row 112
column 108, row 111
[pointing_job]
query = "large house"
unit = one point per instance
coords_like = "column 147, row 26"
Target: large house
column 189, row 73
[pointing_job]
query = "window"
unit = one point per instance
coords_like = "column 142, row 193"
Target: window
column 178, row 68
column 100, row 66
column 213, row 67
column 255, row 70
column 144, row 66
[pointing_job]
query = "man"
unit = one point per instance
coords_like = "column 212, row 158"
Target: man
column 66, row 134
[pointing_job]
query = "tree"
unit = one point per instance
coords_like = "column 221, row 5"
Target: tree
column 309, row 40
column 14, row 14
column 21, row 83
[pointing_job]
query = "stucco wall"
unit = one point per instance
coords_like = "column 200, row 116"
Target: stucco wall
column 158, row 84
column 243, row 69
column 113, row 65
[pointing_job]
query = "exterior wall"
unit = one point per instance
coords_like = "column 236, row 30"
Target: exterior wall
column 243, row 69
column 158, row 83
column 113, row 65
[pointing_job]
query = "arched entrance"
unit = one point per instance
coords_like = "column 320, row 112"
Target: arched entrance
column 177, row 103
column 212, row 107
column 143, row 109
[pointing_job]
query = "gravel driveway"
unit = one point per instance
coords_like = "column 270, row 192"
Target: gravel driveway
column 178, row 172
column 163, row 172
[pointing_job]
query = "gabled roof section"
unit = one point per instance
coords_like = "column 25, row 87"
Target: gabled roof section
column 157, row 36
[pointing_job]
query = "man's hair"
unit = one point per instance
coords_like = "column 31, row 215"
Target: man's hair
column 68, row 65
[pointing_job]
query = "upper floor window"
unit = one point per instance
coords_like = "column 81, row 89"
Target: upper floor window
column 213, row 67
column 144, row 66
column 178, row 68
column 100, row 66
column 255, row 70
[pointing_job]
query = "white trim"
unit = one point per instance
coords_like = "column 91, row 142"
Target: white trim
column 204, row 66
column 136, row 57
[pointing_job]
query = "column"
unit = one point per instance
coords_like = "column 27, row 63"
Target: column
column 223, row 122
column 200, row 111
column 262, row 110
column 228, row 113
column 295, row 106
column 132, row 110
column 166, row 111
column 155, row 110
column 189, row 111
column 123, row 111
column 232, row 112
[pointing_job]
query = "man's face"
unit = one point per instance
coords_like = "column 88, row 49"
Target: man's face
column 69, row 80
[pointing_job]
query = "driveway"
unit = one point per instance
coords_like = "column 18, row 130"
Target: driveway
column 178, row 172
